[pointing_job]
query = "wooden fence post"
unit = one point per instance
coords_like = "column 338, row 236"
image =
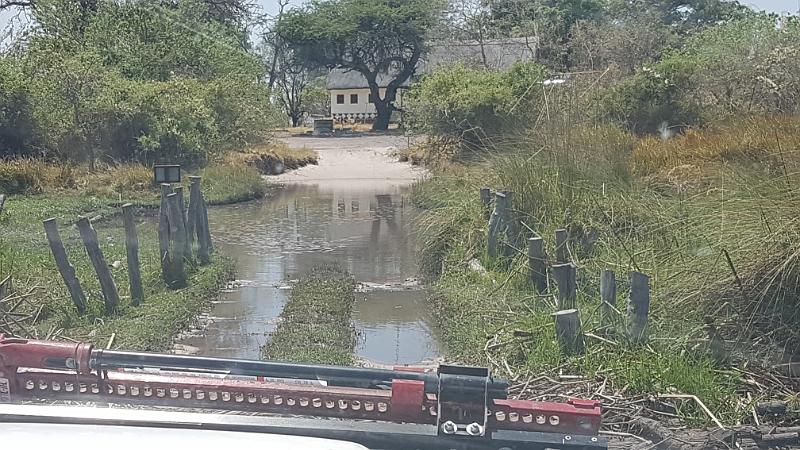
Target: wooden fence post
column 187, row 249
column 608, row 296
column 537, row 269
column 562, row 252
column 638, row 306
column 565, row 275
column 486, row 201
column 89, row 237
column 491, row 244
column 191, row 213
column 64, row 267
column 177, row 235
column 206, row 228
column 132, row 249
column 569, row 332
column 511, row 226
column 163, row 233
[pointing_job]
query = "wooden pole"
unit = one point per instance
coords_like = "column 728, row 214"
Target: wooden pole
column 163, row 233
column 565, row 275
column 569, row 332
column 206, row 228
column 510, row 225
column 638, row 306
column 177, row 235
column 537, row 269
column 187, row 249
column 89, row 237
column 562, row 252
column 66, row 269
column 132, row 249
column 191, row 214
column 491, row 244
column 486, row 201
column 608, row 296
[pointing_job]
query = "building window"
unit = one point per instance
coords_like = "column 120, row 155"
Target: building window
column 369, row 98
column 353, row 99
column 340, row 99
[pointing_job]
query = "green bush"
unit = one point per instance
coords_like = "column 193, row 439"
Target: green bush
column 469, row 106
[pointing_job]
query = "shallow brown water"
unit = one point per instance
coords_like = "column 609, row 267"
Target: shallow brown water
column 364, row 226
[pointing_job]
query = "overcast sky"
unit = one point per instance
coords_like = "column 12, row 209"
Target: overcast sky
column 270, row 6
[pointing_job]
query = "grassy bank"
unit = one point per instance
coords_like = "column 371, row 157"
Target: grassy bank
column 273, row 159
column 716, row 232
column 44, row 191
column 315, row 324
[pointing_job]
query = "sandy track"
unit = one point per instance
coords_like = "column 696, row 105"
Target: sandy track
column 356, row 162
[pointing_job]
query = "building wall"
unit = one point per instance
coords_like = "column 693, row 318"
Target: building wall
column 360, row 110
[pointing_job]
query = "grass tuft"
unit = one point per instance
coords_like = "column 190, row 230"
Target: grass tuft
column 315, row 323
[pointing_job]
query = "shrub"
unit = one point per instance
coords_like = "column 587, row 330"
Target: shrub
column 469, row 106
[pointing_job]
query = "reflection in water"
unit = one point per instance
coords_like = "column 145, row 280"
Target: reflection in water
column 277, row 240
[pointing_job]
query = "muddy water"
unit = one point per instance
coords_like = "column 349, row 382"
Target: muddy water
column 362, row 226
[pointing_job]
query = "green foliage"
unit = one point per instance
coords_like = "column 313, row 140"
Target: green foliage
column 134, row 81
column 650, row 98
column 468, row 106
column 18, row 134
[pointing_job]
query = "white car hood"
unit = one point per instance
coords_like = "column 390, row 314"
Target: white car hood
column 81, row 437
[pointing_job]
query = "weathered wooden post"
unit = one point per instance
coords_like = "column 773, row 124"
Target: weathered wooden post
column 187, row 250
column 512, row 229
column 177, row 235
column 562, row 252
column 132, row 249
column 608, row 296
column 537, row 269
column 89, row 237
column 486, row 201
column 191, row 213
column 569, row 332
column 638, row 306
column 565, row 275
column 206, row 228
column 491, row 244
column 64, row 267
column 163, row 233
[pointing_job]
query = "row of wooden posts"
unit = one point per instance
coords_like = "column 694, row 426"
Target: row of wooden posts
column 177, row 228
column 503, row 239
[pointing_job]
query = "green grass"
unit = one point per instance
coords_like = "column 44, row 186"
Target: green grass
column 678, row 235
column 25, row 254
column 315, row 323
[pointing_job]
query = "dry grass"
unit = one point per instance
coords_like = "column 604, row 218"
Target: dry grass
column 35, row 176
column 760, row 144
column 272, row 159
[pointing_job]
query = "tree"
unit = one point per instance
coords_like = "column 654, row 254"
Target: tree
column 372, row 37
column 471, row 20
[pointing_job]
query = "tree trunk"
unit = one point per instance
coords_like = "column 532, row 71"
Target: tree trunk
column 384, row 110
column 295, row 120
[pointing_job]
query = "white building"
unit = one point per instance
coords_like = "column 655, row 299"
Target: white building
column 351, row 98
column 349, row 91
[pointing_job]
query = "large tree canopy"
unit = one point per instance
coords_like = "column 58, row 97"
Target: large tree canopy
column 372, row 37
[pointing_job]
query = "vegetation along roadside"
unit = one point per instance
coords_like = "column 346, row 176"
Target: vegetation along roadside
column 706, row 209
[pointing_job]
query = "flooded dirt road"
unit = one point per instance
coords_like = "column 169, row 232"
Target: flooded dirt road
column 354, row 209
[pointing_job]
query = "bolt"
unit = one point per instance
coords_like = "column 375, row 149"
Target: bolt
column 475, row 429
column 449, row 427
column 567, row 438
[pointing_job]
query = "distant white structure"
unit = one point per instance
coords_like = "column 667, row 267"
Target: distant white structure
column 350, row 94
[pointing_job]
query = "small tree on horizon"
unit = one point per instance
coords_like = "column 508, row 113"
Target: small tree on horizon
column 371, row 37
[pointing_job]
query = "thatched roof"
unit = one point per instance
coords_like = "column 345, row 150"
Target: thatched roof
column 499, row 54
